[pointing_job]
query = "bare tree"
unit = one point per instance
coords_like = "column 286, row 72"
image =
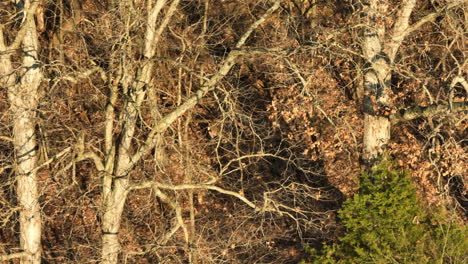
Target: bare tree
column 379, row 49
column 22, row 84
column 130, row 85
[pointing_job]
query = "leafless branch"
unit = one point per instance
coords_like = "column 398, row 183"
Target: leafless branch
column 94, row 157
column 29, row 14
column 178, row 210
column 13, row 256
column 257, row 155
column 226, row 66
column 421, row 111
column 75, row 78
column 152, row 36
column 54, row 158
column 460, row 80
column 431, row 17
column 400, row 28
column 152, row 184
column 5, row 138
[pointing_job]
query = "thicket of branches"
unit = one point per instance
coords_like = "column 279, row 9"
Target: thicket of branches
column 259, row 166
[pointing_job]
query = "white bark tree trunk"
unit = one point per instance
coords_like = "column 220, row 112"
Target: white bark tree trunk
column 379, row 53
column 113, row 206
column 116, row 182
column 23, row 97
column 376, row 81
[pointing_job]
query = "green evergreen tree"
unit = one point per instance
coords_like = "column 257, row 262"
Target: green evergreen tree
column 385, row 223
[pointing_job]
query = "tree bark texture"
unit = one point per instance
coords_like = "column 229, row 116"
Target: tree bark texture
column 116, row 182
column 379, row 52
column 376, row 81
column 23, row 97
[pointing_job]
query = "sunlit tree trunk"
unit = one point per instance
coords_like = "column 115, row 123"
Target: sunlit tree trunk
column 379, row 52
column 119, row 161
column 376, row 81
column 23, row 96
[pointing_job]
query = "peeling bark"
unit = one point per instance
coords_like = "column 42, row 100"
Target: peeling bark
column 376, row 82
column 379, row 52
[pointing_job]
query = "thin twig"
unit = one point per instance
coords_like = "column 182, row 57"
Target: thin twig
column 5, row 138
column 226, row 66
column 13, row 256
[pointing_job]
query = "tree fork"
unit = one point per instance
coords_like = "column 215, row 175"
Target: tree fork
column 116, row 183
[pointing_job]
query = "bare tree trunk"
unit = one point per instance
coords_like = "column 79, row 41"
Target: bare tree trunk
column 376, row 82
column 114, row 206
column 23, row 97
column 116, row 182
column 114, row 200
column 379, row 53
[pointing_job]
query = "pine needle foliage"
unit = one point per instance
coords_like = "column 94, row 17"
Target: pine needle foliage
column 385, row 223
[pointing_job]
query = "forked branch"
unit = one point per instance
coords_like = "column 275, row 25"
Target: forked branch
column 400, row 27
column 29, row 14
column 209, row 85
column 180, row 187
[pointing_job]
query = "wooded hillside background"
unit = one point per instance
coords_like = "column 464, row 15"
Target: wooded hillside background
column 218, row 131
